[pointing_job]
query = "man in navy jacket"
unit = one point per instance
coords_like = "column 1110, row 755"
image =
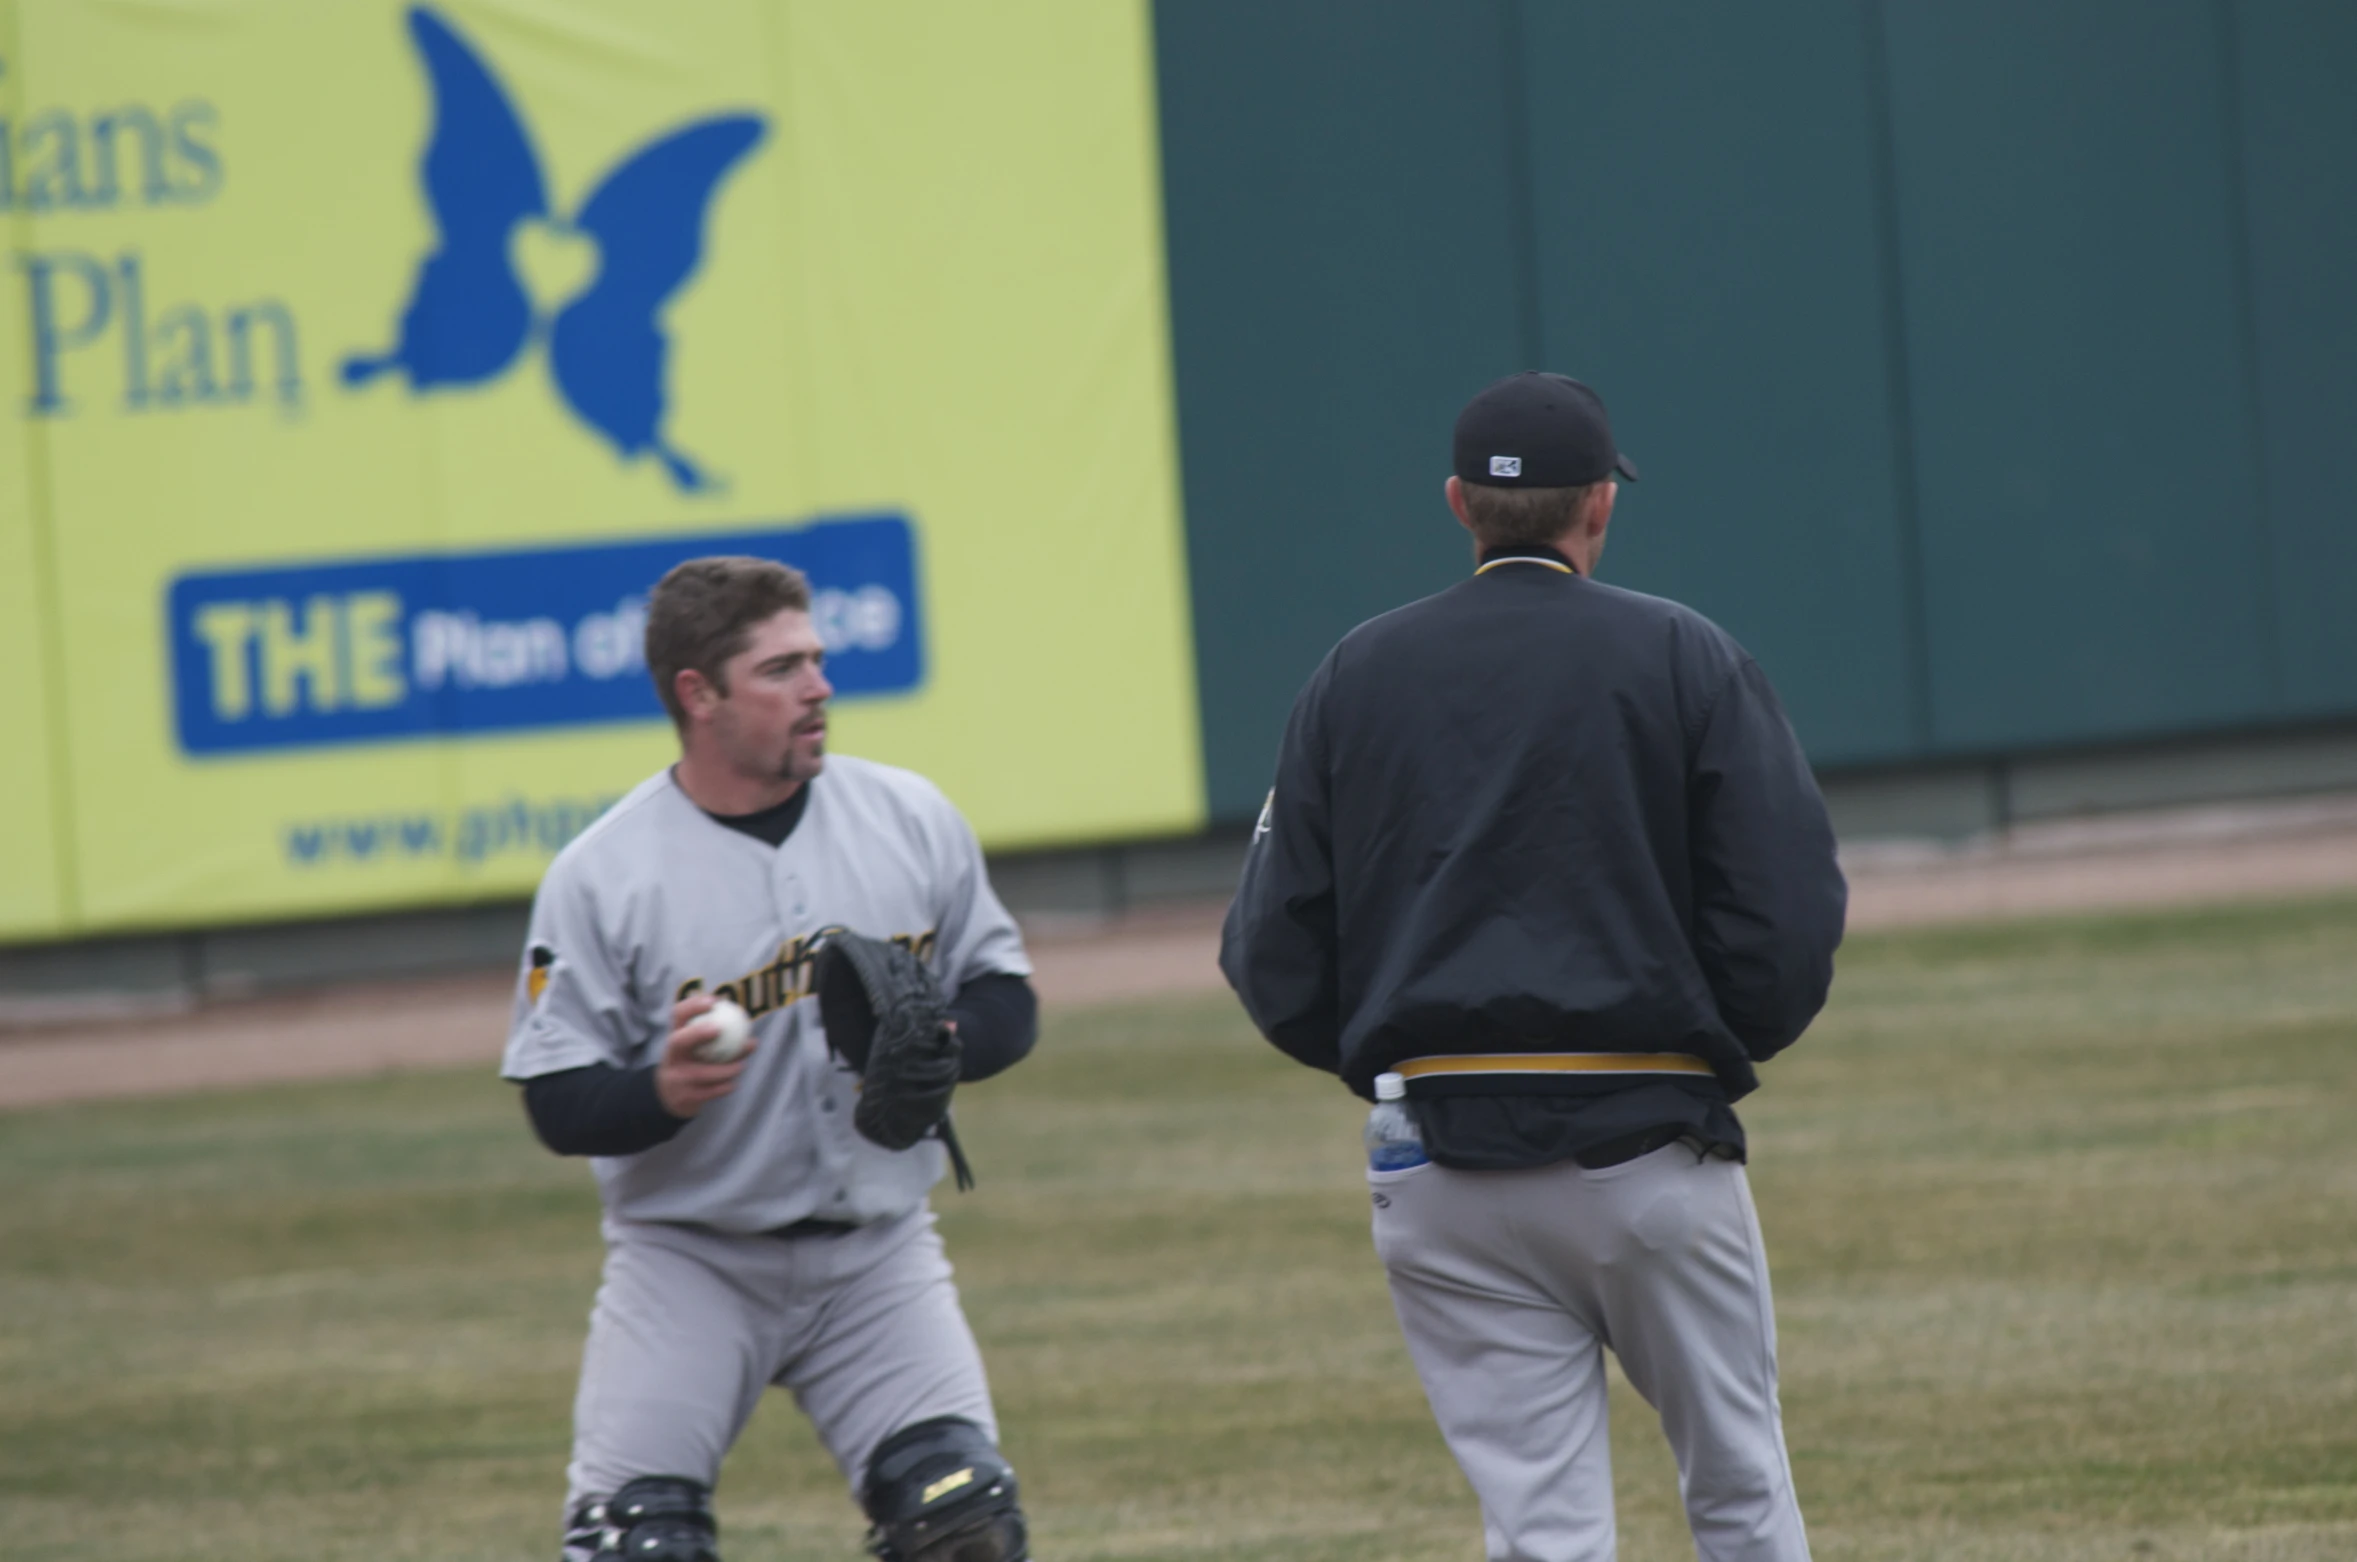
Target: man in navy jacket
column 1550, row 850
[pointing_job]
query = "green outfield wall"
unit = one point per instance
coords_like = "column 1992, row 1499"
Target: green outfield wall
column 1987, row 364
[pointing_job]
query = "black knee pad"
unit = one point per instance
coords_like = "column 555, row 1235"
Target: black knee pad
column 939, row 1492
column 656, row 1518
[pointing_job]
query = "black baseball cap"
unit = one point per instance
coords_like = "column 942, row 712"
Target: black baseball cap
column 1535, row 430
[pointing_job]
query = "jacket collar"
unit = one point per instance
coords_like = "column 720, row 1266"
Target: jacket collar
column 1525, row 553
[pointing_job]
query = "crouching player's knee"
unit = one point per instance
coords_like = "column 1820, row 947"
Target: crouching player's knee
column 656, row 1518
column 938, row 1491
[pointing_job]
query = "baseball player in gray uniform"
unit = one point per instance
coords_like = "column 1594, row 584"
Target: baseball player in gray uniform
column 753, row 1237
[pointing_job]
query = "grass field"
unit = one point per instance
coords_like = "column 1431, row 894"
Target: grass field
column 2063, row 1219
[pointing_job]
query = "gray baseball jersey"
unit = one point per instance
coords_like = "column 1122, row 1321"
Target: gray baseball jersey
column 657, row 902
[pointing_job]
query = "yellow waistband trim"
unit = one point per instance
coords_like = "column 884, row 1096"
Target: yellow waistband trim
column 1519, row 558
column 1555, row 1063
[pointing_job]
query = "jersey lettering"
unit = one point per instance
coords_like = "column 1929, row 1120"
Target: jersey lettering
column 787, row 979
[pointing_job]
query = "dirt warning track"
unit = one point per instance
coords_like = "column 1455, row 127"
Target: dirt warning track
column 2193, row 857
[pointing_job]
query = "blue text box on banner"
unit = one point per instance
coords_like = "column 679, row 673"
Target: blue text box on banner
column 453, row 643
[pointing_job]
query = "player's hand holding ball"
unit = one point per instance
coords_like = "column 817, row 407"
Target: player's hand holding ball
column 734, row 1037
column 710, row 1040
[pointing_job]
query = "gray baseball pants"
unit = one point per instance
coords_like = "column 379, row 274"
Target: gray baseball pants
column 692, row 1324
column 1510, row 1286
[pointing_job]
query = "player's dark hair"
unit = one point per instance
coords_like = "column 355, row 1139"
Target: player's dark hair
column 703, row 613
column 1522, row 517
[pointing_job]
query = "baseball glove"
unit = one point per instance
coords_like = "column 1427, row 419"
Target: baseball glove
column 885, row 1019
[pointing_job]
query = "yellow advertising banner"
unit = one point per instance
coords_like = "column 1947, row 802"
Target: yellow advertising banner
column 31, row 884
column 381, row 357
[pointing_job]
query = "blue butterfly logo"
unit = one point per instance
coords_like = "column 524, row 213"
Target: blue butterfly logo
column 470, row 318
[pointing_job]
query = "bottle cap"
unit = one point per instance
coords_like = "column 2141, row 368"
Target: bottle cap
column 1390, row 1087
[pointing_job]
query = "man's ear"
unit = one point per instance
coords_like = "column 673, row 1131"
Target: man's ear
column 1600, row 508
column 695, row 691
column 1455, row 489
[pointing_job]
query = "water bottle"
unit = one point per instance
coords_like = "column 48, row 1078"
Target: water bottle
column 1394, row 1142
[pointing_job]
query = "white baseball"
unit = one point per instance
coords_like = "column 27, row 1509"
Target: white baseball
column 734, row 1036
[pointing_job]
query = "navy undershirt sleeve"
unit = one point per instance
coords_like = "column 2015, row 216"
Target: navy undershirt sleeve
column 604, row 1110
column 599, row 1110
column 998, row 1019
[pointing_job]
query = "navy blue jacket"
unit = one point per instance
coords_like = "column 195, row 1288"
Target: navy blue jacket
column 1535, row 813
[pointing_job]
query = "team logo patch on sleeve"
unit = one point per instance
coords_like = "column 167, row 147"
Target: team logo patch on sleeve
column 544, row 960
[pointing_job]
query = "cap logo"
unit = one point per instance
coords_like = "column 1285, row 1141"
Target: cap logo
column 1505, row 466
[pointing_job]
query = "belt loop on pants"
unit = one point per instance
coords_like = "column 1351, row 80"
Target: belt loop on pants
column 1626, row 1148
column 814, row 1227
